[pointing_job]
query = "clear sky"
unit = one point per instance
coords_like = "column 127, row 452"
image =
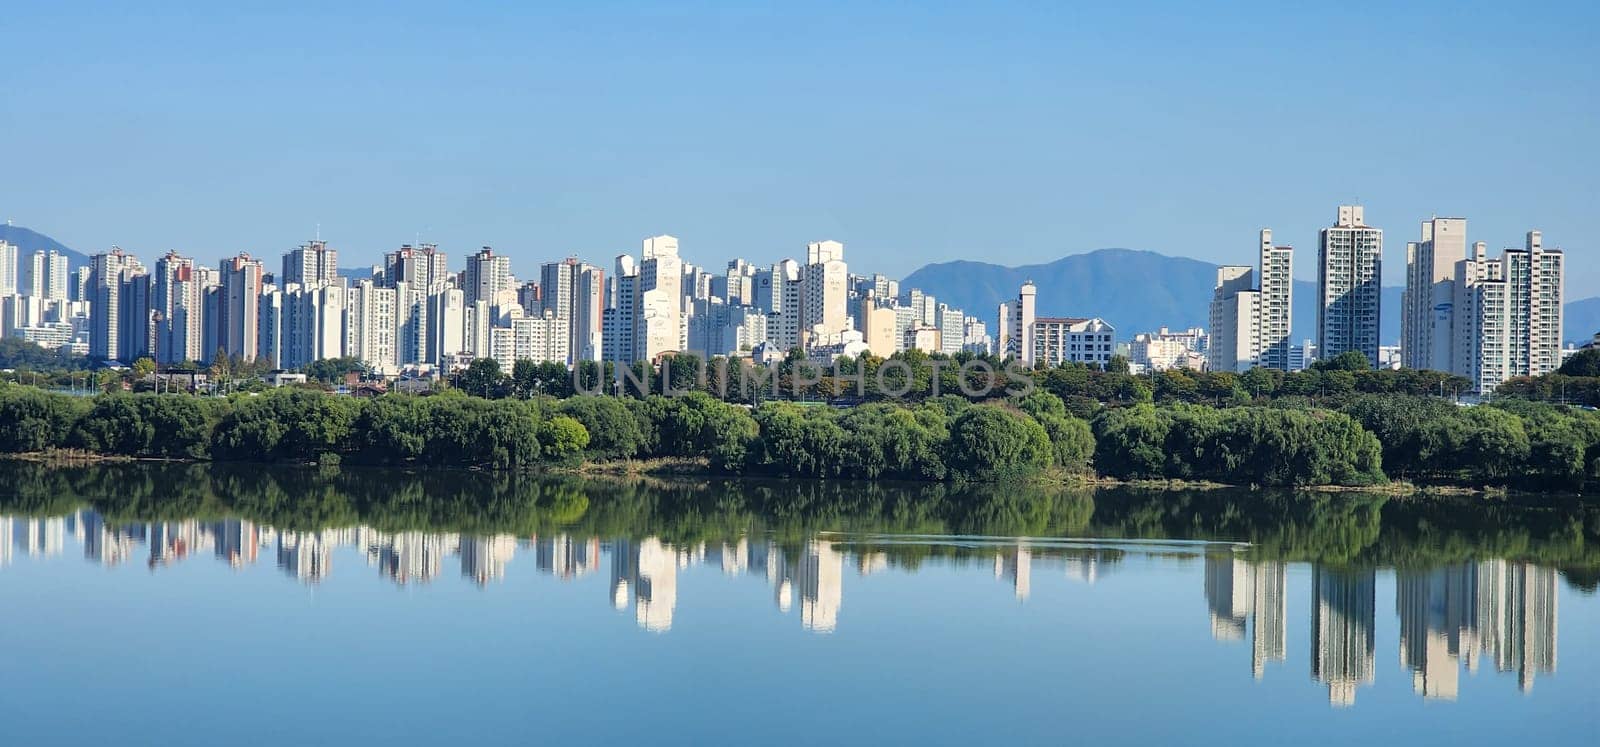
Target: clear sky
column 913, row 132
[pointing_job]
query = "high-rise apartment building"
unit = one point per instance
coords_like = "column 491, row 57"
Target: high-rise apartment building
column 1349, row 275
column 176, row 298
column 1016, row 325
column 1276, row 276
column 135, row 317
column 310, row 264
column 659, row 324
column 422, row 266
column 620, row 316
column 1251, row 311
column 103, row 291
column 1428, row 308
column 8, row 268
column 952, row 325
column 1508, row 313
column 237, row 320
column 825, row 285
column 486, row 276
column 574, row 291
column 370, row 325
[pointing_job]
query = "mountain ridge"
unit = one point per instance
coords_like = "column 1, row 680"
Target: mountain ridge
column 29, row 241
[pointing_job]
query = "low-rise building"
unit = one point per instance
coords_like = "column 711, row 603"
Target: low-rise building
column 1058, row 340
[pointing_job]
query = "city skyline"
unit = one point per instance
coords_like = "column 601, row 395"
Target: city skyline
column 1025, row 132
column 1485, row 321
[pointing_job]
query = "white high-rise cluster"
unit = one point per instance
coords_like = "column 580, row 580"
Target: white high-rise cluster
column 1486, row 320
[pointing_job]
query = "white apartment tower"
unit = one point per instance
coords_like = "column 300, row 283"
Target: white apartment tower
column 310, row 264
column 104, row 293
column 1509, row 313
column 1251, row 311
column 1350, row 255
column 825, row 282
column 238, row 324
column 1016, row 325
column 487, row 274
column 8, row 268
column 618, row 320
column 370, row 325
column 422, row 266
column 574, row 292
column 42, row 274
column 1277, row 298
column 659, row 324
column 176, row 298
column 1235, row 320
column 1428, row 309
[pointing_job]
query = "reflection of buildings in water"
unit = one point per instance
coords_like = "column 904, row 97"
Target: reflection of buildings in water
column 307, row 556
column 1342, row 624
column 564, row 557
column 32, row 536
column 1437, row 610
column 171, row 542
column 1517, row 618
column 236, row 541
column 404, row 557
column 1500, row 609
column 655, row 585
column 1015, row 565
column 1241, row 593
column 645, row 573
column 1503, row 611
column 818, row 574
column 768, row 559
column 821, row 582
column 483, row 559
column 1088, row 565
column 868, row 563
column 733, row 558
column 1270, row 605
column 108, row 545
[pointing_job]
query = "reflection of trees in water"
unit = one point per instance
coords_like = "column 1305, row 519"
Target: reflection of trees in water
column 1352, row 528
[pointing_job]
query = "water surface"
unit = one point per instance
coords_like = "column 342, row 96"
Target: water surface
column 213, row 605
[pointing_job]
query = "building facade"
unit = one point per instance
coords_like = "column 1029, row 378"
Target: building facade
column 1349, row 273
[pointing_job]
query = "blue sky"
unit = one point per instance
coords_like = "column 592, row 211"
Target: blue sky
column 913, row 132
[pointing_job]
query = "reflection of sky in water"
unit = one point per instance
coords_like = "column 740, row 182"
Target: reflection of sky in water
column 200, row 632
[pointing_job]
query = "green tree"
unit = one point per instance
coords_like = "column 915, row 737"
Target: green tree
column 988, row 442
column 562, row 436
column 1349, row 360
column 482, row 378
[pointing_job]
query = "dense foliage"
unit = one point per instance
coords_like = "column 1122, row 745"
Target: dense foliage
column 1510, row 442
column 932, row 441
column 1279, row 442
column 1255, row 445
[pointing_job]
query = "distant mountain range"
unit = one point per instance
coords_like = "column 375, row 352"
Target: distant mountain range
column 1139, row 291
column 30, row 241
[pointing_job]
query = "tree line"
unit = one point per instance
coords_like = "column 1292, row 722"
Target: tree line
column 1361, row 440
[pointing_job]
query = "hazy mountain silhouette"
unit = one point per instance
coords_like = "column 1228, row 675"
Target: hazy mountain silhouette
column 31, row 241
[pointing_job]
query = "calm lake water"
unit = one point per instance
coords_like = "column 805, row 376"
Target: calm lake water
column 234, row 605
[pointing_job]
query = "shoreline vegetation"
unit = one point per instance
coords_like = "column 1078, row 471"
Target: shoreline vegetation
column 1070, row 424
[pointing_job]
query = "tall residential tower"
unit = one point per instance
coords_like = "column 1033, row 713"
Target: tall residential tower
column 1349, row 274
